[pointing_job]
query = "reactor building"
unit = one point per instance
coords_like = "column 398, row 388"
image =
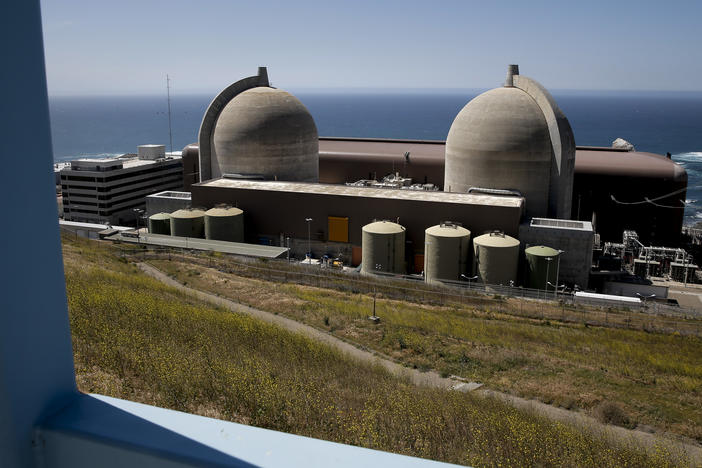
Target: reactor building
column 505, row 180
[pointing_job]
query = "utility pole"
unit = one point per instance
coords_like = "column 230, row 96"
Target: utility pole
column 558, row 270
column 168, row 91
column 309, row 241
column 685, row 265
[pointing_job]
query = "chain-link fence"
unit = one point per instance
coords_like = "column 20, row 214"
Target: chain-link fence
column 495, row 300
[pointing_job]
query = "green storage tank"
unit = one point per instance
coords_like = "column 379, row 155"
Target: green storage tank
column 188, row 223
column 495, row 258
column 160, row 223
column 383, row 244
column 542, row 265
column 446, row 249
column 224, row 223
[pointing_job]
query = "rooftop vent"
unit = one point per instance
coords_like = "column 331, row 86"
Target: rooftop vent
column 558, row 223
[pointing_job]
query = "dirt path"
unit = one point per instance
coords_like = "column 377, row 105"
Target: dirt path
column 430, row 378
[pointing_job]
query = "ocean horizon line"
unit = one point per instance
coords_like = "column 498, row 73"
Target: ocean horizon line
column 393, row 91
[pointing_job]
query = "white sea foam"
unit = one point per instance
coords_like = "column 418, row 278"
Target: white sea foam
column 690, row 157
column 99, row 155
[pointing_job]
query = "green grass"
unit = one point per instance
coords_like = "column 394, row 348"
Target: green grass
column 135, row 338
column 655, row 378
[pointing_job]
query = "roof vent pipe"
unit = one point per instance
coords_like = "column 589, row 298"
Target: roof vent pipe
column 263, row 76
column 491, row 191
column 511, row 71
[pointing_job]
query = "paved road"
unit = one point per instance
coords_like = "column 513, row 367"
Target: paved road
column 430, row 378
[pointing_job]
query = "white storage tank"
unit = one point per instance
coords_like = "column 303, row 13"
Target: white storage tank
column 160, row 223
column 188, row 223
column 383, row 248
column 151, row 152
column 224, row 223
column 495, row 258
column 446, row 252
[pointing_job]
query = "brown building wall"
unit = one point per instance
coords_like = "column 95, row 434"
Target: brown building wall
column 600, row 173
column 273, row 213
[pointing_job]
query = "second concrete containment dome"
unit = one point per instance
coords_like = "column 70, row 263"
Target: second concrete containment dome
column 495, row 258
column 266, row 131
column 383, row 248
column 446, row 249
column 225, row 224
column 500, row 140
column 188, row 223
column 514, row 138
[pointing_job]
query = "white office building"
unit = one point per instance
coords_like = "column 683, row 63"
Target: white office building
column 107, row 191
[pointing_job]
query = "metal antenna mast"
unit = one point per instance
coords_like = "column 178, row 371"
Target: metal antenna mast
column 168, row 90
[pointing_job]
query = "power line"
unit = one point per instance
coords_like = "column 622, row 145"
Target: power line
column 652, row 201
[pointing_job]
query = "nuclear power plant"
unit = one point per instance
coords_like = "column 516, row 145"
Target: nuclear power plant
column 507, row 199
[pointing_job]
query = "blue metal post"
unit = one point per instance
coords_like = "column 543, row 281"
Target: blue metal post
column 36, row 361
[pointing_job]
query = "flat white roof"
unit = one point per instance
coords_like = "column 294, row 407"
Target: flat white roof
column 607, row 297
column 367, row 192
column 93, row 226
column 237, row 248
column 172, row 194
column 127, row 162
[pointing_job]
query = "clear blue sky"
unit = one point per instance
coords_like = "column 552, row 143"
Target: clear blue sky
column 127, row 46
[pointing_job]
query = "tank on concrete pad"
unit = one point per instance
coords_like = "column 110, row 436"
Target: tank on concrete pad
column 160, row 223
column 495, row 258
column 224, row 223
column 446, row 252
column 383, row 244
column 188, row 223
column 542, row 265
column 151, row 151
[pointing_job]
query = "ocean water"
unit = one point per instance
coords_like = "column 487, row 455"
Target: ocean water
column 657, row 122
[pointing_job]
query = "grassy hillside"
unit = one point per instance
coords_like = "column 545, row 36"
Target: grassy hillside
column 135, row 338
column 651, row 379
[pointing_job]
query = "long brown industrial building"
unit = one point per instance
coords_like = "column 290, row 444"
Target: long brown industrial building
column 610, row 186
column 338, row 212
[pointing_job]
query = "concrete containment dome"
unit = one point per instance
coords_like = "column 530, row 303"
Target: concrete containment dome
column 446, row 252
column 501, row 140
column 266, row 131
column 225, row 224
column 188, row 223
column 383, row 247
column 495, row 258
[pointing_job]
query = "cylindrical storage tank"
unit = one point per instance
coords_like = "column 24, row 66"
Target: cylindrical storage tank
column 383, row 244
column 446, row 249
column 225, row 224
column 495, row 258
column 542, row 265
column 160, row 223
column 151, row 151
column 188, row 223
